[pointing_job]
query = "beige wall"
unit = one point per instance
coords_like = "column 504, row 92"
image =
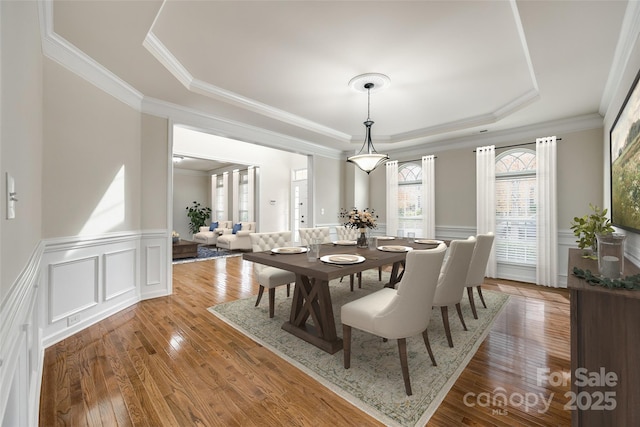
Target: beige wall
column 188, row 186
column 155, row 172
column 328, row 194
column 20, row 135
column 580, row 170
column 91, row 158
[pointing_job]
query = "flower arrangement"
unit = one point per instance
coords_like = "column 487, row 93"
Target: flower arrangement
column 365, row 218
column 175, row 236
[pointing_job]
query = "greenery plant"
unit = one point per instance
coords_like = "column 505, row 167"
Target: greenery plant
column 198, row 216
column 588, row 226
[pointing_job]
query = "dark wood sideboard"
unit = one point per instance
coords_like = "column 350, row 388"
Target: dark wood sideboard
column 605, row 337
column 185, row 249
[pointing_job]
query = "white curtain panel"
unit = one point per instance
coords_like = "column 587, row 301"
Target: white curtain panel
column 235, row 199
column 547, row 219
column 251, row 189
column 486, row 199
column 392, row 198
column 428, row 197
column 225, row 197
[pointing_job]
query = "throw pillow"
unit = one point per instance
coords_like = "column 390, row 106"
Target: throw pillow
column 236, row 228
column 213, row 226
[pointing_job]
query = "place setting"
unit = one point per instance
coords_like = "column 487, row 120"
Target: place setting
column 395, row 248
column 342, row 259
column 344, row 243
column 428, row 242
column 289, row 250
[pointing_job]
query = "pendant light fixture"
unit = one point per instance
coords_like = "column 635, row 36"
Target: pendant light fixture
column 368, row 158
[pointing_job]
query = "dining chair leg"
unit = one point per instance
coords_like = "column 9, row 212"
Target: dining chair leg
column 445, row 321
column 472, row 303
column 346, row 345
column 481, row 297
column 425, row 337
column 260, row 291
column 459, row 309
column 272, row 301
column 288, row 289
column 404, row 364
column 359, row 280
column 379, row 274
column 351, row 282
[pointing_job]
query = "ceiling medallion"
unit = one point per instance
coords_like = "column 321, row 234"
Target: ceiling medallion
column 370, row 159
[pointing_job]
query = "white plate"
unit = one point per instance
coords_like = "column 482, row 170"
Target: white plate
column 342, row 259
column 385, row 238
column 395, row 248
column 289, row 250
column 429, row 241
column 345, row 242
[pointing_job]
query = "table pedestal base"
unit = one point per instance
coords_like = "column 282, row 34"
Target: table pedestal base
column 309, row 334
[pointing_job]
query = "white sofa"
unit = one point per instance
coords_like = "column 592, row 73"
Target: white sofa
column 239, row 240
column 208, row 237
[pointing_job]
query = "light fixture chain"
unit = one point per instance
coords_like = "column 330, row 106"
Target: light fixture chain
column 368, row 104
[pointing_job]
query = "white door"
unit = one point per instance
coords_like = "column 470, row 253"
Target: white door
column 299, row 207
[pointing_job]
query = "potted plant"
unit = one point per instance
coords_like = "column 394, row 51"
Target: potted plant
column 198, row 216
column 587, row 227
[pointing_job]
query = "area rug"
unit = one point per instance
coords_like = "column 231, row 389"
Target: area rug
column 374, row 382
column 205, row 253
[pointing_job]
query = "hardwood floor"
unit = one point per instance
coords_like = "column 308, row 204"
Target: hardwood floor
column 165, row 362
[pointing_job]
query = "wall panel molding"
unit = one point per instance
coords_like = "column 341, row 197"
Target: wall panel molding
column 120, row 273
column 73, row 287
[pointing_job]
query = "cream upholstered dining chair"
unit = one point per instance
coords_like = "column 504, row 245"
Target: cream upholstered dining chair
column 451, row 282
column 345, row 233
column 308, row 234
column 398, row 313
column 271, row 277
column 478, row 268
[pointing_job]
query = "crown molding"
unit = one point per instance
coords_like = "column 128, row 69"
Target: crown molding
column 629, row 32
column 509, row 136
column 153, row 44
column 61, row 51
column 66, row 54
column 166, row 58
column 235, row 130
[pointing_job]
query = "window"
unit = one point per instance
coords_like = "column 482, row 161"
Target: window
column 410, row 198
column 220, row 210
column 516, row 207
column 243, row 197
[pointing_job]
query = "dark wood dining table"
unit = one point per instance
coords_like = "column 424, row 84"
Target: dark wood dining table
column 311, row 296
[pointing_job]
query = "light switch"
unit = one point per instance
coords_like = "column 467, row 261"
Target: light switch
column 11, row 197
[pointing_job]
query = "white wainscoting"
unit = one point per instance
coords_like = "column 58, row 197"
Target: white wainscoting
column 21, row 351
column 67, row 285
column 155, row 264
column 85, row 280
